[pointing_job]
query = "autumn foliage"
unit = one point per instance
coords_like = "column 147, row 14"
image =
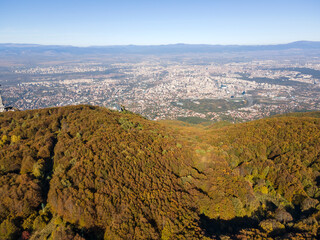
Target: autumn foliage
column 84, row 172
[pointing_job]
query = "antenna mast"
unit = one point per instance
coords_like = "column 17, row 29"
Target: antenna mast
column 2, row 108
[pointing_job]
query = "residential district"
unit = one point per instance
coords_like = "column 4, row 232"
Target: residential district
column 167, row 89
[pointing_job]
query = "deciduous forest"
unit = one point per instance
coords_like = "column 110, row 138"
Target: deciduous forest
column 86, row 172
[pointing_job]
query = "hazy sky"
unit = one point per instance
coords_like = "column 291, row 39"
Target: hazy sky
column 118, row 22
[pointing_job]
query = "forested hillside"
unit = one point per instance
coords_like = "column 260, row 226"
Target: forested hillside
column 84, row 172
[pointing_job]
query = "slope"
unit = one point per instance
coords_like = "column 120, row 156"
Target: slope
column 277, row 157
column 84, row 172
column 88, row 169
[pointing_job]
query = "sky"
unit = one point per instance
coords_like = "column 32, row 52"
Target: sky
column 155, row 22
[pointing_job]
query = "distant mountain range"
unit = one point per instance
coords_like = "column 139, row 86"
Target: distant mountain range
column 25, row 49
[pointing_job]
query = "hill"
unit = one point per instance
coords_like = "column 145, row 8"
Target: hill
column 84, row 172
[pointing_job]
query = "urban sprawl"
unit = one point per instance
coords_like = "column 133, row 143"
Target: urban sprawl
column 168, row 89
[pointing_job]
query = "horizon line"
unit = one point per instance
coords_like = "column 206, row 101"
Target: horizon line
column 165, row 44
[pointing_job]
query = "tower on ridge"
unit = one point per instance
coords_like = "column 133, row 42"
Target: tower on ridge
column 2, row 108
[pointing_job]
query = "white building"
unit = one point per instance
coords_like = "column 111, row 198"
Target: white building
column 2, row 109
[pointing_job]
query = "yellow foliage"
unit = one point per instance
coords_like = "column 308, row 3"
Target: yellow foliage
column 264, row 190
column 4, row 138
column 15, row 139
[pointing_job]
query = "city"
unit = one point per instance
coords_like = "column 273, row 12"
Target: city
column 167, row 88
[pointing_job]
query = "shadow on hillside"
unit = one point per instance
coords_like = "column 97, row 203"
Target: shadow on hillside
column 95, row 233
column 318, row 181
column 216, row 227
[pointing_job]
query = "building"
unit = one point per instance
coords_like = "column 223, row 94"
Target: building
column 8, row 108
column 2, row 108
column 117, row 107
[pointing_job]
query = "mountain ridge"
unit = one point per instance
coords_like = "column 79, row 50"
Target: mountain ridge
column 154, row 49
